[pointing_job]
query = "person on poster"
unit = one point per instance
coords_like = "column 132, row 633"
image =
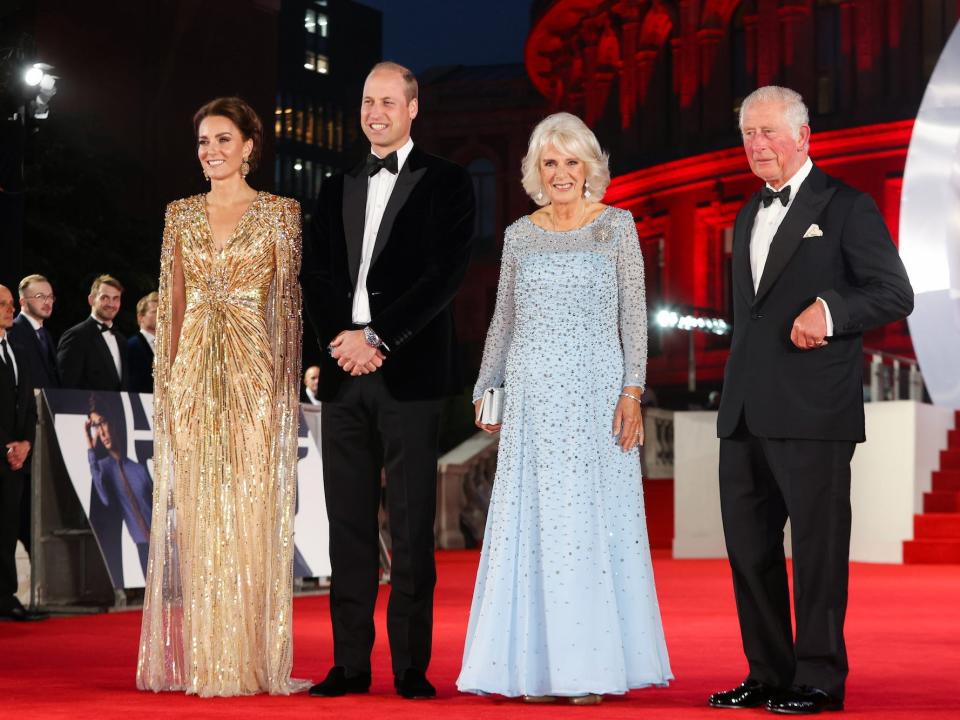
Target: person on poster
column 814, row 267
column 123, row 486
column 218, row 599
column 388, row 249
column 565, row 605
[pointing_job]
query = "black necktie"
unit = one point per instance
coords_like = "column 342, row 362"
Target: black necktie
column 8, row 363
column 767, row 195
column 375, row 164
column 44, row 338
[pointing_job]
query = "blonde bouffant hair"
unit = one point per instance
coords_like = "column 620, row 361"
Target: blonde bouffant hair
column 570, row 135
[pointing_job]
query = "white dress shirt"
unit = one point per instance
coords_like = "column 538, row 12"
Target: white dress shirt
column 13, row 358
column 379, row 188
column 311, row 397
column 766, row 225
column 111, row 340
column 151, row 339
column 34, row 323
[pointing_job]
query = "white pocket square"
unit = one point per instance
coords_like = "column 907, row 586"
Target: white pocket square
column 813, row 231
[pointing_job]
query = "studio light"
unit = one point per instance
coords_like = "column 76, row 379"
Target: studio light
column 33, row 76
column 674, row 320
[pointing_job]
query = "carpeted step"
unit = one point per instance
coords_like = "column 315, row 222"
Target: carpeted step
column 953, row 438
column 937, row 526
column 950, row 459
column 946, row 481
column 943, row 501
column 931, row 552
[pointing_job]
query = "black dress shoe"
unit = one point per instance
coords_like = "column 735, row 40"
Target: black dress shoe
column 750, row 694
column 804, row 700
column 337, row 683
column 17, row 612
column 413, row 685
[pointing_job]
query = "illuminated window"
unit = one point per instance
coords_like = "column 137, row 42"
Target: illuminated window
column 278, row 121
column 308, row 129
column 310, row 61
column 322, row 64
column 298, row 125
column 321, row 24
column 288, row 121
column 318, row 136
column 310, row 22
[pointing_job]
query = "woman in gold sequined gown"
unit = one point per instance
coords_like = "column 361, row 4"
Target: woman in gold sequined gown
column 218, row 600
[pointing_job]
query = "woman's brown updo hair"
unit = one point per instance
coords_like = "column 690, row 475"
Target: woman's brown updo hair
column 242, row 115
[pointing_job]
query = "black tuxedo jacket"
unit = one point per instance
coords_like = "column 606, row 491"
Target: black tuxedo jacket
column 785, row 392
column 18, row 410
column 43, row 365
column 139, row 364
column 420, row 257
column 85, row 361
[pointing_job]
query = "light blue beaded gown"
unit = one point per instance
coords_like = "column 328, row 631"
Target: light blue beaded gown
column 565, row 602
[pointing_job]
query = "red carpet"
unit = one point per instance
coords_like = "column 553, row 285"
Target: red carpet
column 903, row 636
column 936, row 532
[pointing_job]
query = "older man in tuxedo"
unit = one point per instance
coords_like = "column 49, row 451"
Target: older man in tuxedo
column 92, row 354
column 18, row 419
column 813, row 268
column 389, row 246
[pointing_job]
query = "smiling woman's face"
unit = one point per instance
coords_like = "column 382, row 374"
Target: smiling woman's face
column 562, row 176
column 221, row 147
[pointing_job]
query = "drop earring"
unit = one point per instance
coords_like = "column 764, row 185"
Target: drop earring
column 539, row 195
column 205, row 176
column 245, row 168
column 586, row 191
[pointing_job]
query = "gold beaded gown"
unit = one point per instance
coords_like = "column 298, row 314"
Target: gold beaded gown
column 218, row 600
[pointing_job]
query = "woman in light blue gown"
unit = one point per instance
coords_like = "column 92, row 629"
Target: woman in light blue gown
column 565, row 604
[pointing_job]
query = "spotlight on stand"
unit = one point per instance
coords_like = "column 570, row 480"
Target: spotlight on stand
column 38, row 76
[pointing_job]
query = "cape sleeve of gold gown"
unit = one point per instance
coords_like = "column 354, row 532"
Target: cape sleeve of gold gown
column 161, row 663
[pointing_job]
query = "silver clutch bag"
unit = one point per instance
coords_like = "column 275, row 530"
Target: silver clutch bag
column 491, row 406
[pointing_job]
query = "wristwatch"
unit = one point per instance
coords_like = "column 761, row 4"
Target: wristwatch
column 371, row 338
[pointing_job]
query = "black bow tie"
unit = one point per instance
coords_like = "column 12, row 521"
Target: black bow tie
column 767, row 196
column 104, row 328
column 374, row 164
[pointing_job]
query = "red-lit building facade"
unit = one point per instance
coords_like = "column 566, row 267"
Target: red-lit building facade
column 660, row 81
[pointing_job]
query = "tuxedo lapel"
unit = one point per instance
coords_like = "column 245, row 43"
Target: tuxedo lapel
column 100, row 343
column 806, row 208
column 407, row 179
column 742, row 273
column 354, row 215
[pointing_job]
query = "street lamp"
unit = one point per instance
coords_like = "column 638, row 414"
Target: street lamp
column 691, row 322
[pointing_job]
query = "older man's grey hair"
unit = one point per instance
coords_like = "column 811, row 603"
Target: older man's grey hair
column 571, row 136
column 794, row 109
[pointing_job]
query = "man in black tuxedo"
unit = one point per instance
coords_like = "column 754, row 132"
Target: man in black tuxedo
column 813, row 268
column 140, row 345
column 389, row 246
column 311, row 386
column 18, row 421
column 28, row 331
column 91, row 355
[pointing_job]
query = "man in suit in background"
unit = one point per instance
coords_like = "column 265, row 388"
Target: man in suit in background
column 91, row 355
column 36, row 306
column 388, row 248
column 18, row 420
column 813, row 268
column 38, row 352
column 140, row 345
column 311, row 384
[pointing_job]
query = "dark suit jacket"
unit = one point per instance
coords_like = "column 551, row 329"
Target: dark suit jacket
column 785, row 392
column 18, row 410
column 43, row 365
column 140, row 364
column 85, row 361
column 419, row 259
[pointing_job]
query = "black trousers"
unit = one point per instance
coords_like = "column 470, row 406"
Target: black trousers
column 363, row 430
column 12, row 486
column 762, row 483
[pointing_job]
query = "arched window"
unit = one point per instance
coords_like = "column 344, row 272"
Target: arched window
column 484, row 189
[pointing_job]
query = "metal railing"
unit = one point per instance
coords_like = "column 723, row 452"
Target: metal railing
column 892, row 377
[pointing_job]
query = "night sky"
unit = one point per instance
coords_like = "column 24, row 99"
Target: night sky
column 426, row 33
